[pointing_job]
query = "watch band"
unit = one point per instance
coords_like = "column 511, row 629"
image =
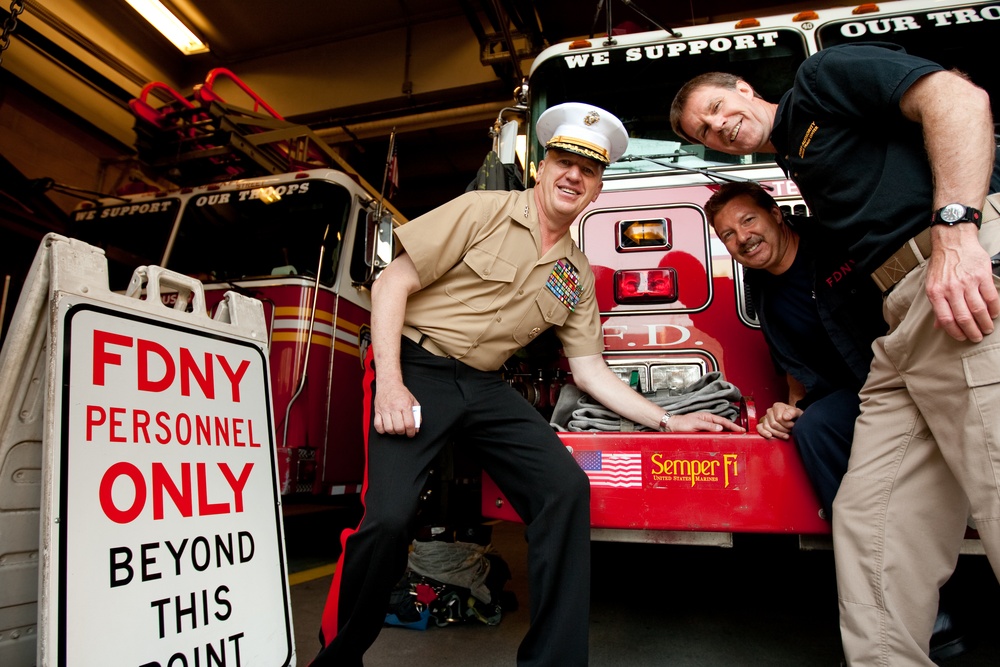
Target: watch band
column 664, row 420
column 954, row 214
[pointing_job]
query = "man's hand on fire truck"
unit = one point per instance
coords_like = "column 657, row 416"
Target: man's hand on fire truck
column 701, row 421
column 394, row 412
column 777, row 422
column 593, row 377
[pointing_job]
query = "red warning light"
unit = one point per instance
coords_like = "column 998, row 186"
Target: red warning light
column 646, row 286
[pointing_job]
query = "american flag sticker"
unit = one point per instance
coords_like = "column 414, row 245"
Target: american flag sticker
column 611, row 469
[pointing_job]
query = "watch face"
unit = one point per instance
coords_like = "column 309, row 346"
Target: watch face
column 952, row 212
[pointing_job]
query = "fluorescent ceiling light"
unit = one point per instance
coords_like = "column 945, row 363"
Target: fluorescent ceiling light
column 170, row 26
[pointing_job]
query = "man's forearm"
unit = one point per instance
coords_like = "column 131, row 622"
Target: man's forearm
column 958, row 133
column 389, row 295
column 594, row 377
column 958, row 136
column 597, row 380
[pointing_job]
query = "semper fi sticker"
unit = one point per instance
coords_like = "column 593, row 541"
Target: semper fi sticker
column 564, row 283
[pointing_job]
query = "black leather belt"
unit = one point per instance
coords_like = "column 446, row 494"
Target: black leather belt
column 423, row 341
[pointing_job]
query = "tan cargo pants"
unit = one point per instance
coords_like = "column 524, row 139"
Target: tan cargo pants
column 926, row 449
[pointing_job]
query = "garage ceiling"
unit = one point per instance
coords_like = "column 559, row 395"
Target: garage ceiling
column 253, row 28
column 438, row 157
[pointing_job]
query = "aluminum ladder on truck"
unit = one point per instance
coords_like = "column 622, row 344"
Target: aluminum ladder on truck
column 203, row 138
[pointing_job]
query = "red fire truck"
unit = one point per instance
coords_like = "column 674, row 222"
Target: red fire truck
column 297, row 242
column 672, row 301
column 282, row 219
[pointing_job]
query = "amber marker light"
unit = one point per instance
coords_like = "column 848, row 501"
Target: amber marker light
column 637, row 234
column 866, row 8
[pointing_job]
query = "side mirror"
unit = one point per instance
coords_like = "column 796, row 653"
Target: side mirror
column 507, row 142
column 379, row 246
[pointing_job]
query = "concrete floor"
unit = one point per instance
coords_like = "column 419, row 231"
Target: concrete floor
column 763, row 602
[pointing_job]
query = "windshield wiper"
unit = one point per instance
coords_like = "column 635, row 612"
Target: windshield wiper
column 657, row 160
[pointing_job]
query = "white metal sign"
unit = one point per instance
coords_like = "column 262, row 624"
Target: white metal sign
column 165, row 540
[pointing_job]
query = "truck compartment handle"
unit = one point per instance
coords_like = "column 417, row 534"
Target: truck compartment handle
column 748, row 414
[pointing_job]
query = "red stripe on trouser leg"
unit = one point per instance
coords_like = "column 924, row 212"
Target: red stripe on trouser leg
column 329, row 621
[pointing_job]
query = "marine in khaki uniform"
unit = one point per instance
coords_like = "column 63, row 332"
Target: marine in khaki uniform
column 479, row 278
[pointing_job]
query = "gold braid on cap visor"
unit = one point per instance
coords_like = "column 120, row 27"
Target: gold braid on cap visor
column 584, row 148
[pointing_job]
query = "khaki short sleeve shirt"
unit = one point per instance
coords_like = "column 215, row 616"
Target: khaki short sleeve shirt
column 486, row 292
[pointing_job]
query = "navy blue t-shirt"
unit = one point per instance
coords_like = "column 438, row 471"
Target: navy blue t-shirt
column 792, row 322
column 860, row 164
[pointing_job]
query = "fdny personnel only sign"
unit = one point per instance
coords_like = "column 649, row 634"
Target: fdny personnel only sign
column 163, row 541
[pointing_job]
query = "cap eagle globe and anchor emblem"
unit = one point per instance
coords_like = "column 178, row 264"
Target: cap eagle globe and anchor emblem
column 583, row 129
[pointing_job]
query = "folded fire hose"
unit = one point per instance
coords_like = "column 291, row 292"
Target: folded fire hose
column 576, row 411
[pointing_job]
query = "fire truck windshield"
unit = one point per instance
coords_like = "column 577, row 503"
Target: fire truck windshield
column 223, row 235
column 958, row 37
column 256, row 232
column 638, row 80
column 131, row 233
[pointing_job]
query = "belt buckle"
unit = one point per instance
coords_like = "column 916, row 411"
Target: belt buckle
column 900, row 263
column 894, row 269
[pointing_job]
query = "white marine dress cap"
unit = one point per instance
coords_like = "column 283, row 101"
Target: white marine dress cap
column 583, row 129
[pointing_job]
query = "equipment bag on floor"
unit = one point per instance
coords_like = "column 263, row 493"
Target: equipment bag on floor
column 449, row 582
